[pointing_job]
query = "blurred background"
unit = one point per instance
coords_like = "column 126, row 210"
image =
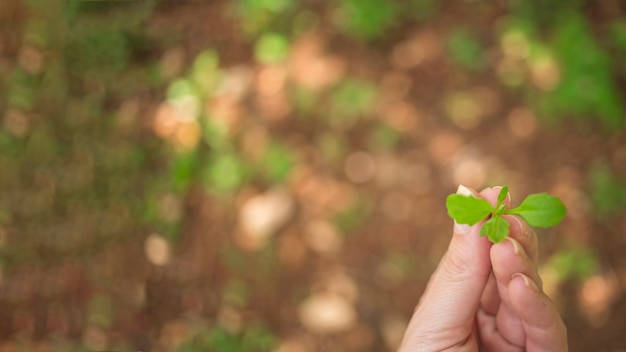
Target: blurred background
column 271, row 175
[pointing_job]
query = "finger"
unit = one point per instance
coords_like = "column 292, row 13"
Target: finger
column 545, row 331
column 490, row 337
column 490, row 194
column 524, row 234
column 448, row 306
column 490, row 299
column 508, row 258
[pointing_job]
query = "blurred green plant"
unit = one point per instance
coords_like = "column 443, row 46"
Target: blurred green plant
column 353, row 217
column 366, row 19
column 587, row 86
column 465, row 49
column 350, row 100
column 258, row 16
column 103, row 51
column 252, row 339
column 236, row 293
column 608, row 192
column 575, row 262
column 22, row 90
column 277, row 162
column 617, row 38
column 542, row 12
column 271, row 48
column 225, row 172
column 570, row 69
column 383, row 138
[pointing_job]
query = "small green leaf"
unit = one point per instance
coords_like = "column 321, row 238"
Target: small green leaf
column 501, row 209
column 541, row 210
column 467, row 209
column 495, row 228
column 502, row 196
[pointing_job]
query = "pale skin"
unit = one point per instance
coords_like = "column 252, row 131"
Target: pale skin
column 487, row 297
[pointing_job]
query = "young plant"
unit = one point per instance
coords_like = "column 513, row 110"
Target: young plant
column 540, row 210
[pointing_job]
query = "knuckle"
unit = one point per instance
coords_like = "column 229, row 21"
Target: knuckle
column 456, row 265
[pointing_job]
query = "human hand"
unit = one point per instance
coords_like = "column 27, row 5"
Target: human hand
column 487, row 297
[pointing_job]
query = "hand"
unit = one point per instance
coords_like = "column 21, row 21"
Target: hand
column 487, row 297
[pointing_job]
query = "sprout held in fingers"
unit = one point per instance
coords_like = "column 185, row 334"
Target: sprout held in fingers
column 540, row 209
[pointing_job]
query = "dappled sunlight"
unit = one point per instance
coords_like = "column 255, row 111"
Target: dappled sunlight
column 522, row 122
column 271, row 96
column 271, row 175
column 157, row 250
column 423, row 46
column 596, row 296
column 262, row 215
column 444, row 145
column 311, row 67
column 330, row 309
column 464, row 110
column 545, row 72
column 360, row 167
column 323, row 238
column 327, row 313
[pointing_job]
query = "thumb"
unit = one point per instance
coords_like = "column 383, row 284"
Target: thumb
column 447, row 308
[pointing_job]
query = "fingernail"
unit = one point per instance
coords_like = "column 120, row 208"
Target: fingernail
column 464, row 191
column 523, row 229
column 461, row 229
column 517, row 247
column 527, row 281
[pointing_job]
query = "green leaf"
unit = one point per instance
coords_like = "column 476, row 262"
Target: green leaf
column 495, row 228
column 502, row 196
column 541, row 210
column 467, row 209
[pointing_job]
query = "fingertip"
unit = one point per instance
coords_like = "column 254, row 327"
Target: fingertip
column 527, row 281
column 523, row 233
column 464, row 191
column 518, row 225
column 543, row 325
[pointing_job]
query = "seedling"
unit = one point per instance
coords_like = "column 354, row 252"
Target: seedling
column 540, row 210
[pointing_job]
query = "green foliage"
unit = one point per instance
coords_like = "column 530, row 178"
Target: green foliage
column 496, row 228
column 366, row 19
column 225, row 173
column 467, row 209
column 98, row 50
column 350, row 100
column 236, row 293
column 542, row 12
column 575, row 262
column 539, row 209
column 204, row 73
column 22, row 90
column 353, row 217
column 608, row 192
column 256, row 16
column 465, row 49
column 100, row 311
column 587, row 87
column 421, row 9
column 277, row 162
column 271, row 48
column 253, row 339
column 383, row 138
column 183, row 170
column 617, row 32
